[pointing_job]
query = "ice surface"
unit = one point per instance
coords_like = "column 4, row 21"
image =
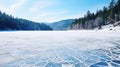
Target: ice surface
column 60, row 49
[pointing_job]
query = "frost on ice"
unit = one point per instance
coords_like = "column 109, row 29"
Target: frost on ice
column 60, row 49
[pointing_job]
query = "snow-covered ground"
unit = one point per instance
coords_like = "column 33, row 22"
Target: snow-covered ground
column 110, row 27
column 60, row 49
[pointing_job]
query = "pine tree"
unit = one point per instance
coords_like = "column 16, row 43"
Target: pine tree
column 111, row 11
column 118, row 6
column 105, row 15
column 88, row 15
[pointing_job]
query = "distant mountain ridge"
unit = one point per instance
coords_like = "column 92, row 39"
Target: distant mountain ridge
column 61, row 25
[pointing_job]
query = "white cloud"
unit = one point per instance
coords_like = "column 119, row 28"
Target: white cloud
column 42, row 4
column 56, row 16
column 42, row 14
column 12, row 8
column 48, row 16
column 38, row 10
column 18, row 4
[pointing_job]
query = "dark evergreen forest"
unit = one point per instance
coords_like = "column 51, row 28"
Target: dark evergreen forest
column 8, row 22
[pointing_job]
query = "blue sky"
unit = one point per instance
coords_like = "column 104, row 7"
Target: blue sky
column 50, row 10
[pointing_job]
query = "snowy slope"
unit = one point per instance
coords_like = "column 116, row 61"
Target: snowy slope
column 111, row 27
column 59, row 49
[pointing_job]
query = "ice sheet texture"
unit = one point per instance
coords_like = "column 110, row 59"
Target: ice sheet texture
column 60, row 49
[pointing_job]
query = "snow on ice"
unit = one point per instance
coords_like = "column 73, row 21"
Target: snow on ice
column 60, row 49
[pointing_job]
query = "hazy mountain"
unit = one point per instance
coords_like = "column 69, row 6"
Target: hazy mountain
column 61, row 25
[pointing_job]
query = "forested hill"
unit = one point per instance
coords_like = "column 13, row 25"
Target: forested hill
column 7, row 22
column 108, row 15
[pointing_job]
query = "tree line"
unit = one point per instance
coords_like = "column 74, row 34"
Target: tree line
column 8, row 22
column 109, row 15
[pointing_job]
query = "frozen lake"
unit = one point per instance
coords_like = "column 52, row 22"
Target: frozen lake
column 60, row 49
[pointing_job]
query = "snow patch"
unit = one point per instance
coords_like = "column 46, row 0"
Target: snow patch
column 110, row 27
